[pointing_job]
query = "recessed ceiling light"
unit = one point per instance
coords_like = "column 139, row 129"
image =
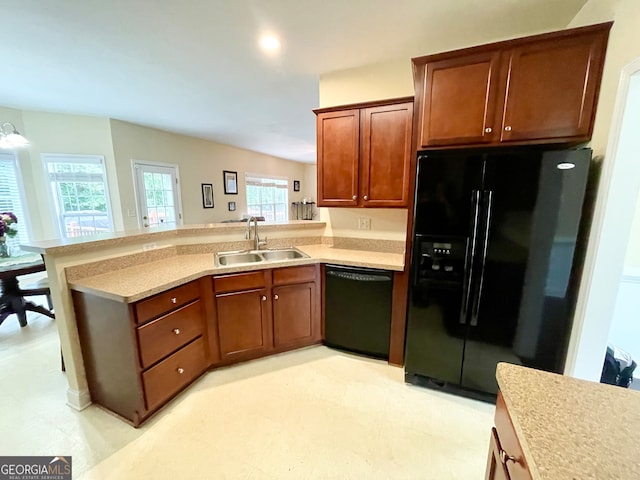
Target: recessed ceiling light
column 269, row 43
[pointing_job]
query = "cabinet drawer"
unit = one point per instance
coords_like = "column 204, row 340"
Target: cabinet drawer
column 518, row 469
column 238, row 281
column 167, row 301
column 172, row 374
column 294, row 275
column 168, row 333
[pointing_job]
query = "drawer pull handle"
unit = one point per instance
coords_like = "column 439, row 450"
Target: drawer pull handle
column 276, row 297
column 264, row 298
column 354, row 197
column 488, row 130
column 505, row 457
column 366, row 197
column 174, row 300
column 180, row 370
column 176, row 331
column 508, row 128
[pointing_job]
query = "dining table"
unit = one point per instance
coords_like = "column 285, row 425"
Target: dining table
column 12, row 297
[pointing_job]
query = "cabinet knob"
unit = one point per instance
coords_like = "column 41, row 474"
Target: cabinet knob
column 366, row 197
column 264, row 298
column 174, row 300
column 488, row 130
column 180, row 370
column 507, row 128
column 355, row 197
column 276, row 296
column 176, row 331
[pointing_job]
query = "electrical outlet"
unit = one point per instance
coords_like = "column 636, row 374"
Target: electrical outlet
column 131, row 212
column 364, row 223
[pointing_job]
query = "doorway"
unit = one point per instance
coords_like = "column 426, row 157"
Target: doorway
column 611, row 230
column 157, row 190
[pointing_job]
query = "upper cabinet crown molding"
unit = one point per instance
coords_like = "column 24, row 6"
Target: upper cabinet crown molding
column 538, row 89
column 364, row 154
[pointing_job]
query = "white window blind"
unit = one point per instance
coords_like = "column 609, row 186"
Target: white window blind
column 267, row 197
column 11, row 198
column 80, row 193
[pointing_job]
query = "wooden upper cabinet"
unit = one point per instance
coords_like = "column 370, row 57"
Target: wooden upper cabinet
column 338, row 153
column 385, row 155
column 540, row 89
column 552, row 88
column 364, row 154
column 459, row 100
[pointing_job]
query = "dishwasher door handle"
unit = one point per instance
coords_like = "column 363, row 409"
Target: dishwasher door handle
column 359, row 277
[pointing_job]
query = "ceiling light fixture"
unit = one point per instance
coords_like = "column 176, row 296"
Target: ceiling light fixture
column 269, row 43
column 10, row 137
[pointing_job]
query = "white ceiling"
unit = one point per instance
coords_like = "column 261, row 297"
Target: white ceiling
column 194, row 67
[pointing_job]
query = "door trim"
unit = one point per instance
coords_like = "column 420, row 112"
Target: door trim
column 134, row 164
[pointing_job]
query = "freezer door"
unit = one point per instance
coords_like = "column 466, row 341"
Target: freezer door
column 531, row 208
column 446, row 201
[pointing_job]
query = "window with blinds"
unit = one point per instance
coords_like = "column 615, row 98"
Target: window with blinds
column 11, row 198
column 80, row 194
column 267, row 197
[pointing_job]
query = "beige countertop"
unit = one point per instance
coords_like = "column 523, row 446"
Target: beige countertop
column 570, row 428
column 137, row 282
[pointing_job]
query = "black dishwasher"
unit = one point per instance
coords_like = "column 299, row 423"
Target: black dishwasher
column 358, row 309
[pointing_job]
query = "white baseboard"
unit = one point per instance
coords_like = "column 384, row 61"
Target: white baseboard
column 78, row 399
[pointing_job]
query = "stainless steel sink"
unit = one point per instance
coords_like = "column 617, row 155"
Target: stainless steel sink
column 287, row 254
column 225, row 259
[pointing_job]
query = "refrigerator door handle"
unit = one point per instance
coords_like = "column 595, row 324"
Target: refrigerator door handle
column 488, row 201
column 471, row 254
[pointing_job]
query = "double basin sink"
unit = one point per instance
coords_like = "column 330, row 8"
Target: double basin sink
column 227, row 259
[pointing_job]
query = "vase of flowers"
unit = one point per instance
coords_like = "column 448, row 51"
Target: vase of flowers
column 8, row 228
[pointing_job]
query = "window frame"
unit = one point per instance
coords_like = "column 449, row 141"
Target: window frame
column 53, row 196
column 260, row 176
column 25, row 233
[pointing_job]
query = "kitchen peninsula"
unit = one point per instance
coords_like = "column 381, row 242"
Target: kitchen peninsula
column 555, row 427
column 126, row 272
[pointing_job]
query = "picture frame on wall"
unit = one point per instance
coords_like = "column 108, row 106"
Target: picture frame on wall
column 296, row 185
column 232, row 206
column 230, row 182
column 207, row 195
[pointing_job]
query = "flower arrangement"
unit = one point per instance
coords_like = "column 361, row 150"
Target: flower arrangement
column 7, row 224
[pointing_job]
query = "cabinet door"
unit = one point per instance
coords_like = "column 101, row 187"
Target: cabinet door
column 385, row 157
column 295, row 315
column 552, row 89
column 338, row 140
column 458, row 100
column 243, row 324
column 496, row 470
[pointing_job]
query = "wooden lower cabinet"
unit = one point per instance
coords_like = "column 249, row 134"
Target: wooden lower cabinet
column 269, row 311
column 294, row 315
column 138, row 356
column 506, row 460
column 243, row 324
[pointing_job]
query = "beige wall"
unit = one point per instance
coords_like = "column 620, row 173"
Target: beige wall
column 58, row 133
column 372, row 82
column 623, row 48
column 199, row 161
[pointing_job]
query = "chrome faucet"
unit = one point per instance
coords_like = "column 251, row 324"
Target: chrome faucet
column 257, row 243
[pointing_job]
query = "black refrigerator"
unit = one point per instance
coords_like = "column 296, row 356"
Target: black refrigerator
column 495, row 264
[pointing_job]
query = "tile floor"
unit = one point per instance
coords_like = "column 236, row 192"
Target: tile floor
column 315, row 413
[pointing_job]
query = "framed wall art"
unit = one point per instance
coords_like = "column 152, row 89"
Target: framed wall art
column 296, row 185
column 232, row 206
column 230, row 182
column 207, row 195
